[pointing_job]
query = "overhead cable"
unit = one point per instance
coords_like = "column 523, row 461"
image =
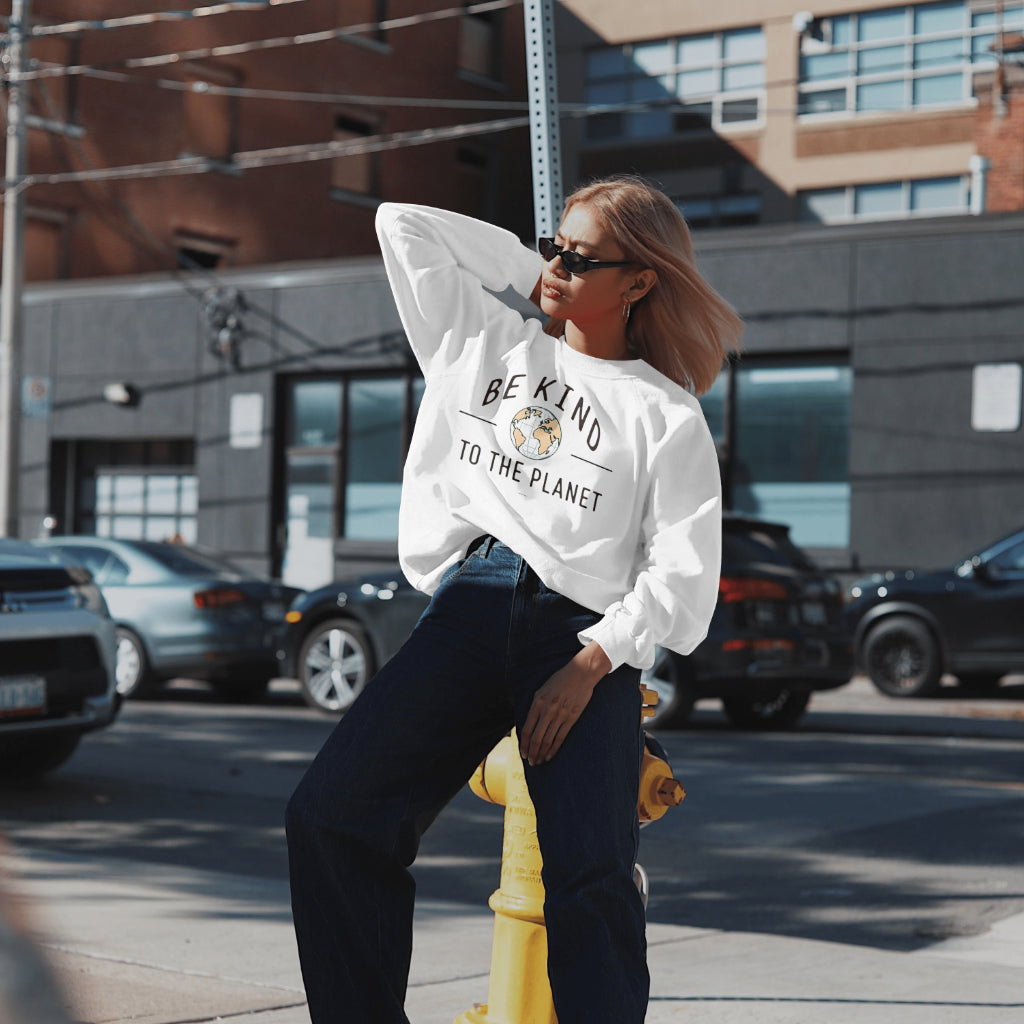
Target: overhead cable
column 126, row 21
column 277, row 156
column 277, row 42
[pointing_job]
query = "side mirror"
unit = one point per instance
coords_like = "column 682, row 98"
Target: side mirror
column 983, row 571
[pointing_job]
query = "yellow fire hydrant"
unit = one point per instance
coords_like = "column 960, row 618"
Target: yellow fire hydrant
column 519, row 991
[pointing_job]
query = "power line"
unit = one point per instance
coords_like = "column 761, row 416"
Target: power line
column 277, row 42
column 291, row 95
column 69, row 27
column 276, row 156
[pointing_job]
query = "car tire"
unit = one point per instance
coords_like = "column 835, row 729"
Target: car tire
column 335, row 663
column 29, row 757
column 675, row 696
column 782, row 711
column 902, row 658
column 131, row 667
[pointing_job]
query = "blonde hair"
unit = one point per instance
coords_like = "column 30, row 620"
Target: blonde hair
column 682, row 326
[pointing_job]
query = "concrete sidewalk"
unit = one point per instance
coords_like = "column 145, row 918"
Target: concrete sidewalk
column 225, row 952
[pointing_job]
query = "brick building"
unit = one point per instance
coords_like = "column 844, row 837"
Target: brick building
column 218, row 106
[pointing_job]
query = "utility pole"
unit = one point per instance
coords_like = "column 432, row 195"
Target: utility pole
column 545, row 135
column 13, row 275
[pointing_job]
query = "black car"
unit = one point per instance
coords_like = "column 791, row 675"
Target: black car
column 911, row 626
column 776, row 635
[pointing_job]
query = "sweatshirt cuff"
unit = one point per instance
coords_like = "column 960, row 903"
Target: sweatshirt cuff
column 616, row 641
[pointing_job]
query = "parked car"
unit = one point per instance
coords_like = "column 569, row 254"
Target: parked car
column 56, row 660
column 776, row 636
column 183, row 612
column 912, row 626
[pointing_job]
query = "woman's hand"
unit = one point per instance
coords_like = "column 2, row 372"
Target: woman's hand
column 560, row 702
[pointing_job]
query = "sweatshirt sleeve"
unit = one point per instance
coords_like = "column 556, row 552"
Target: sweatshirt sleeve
column 444, row 268
column 676, row 587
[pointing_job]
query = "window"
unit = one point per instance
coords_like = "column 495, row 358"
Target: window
column 354, row 174
column 480, row 45
column 785, row 446
column 691, row 83
column 898, row 58
column 889, row 200
column 345, row 447
column 137, row 490
column 721, row 211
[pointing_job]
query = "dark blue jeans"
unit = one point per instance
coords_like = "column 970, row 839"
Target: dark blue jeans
column 491, row 636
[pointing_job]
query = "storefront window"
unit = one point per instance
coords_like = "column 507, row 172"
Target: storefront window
column 791, row 460
column 373, row 484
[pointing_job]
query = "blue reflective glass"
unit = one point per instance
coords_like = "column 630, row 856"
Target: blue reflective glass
column 743, row 76
column 940, row 17
column 653, row 58
column 882, row 96
column 882, row 58
column 316, row 406
column 887, row 24
column 743, row 44
column 695, row 51
column 938, row 52
column 841, row 31
column 938, row 194
column 878, row 200
column 607, row 63
column 939, row 89
column 825, row 205
column 818, row 66
column 702, row 82
column 607, row 92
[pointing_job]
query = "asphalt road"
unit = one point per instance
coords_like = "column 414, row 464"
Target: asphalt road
column 891, row 825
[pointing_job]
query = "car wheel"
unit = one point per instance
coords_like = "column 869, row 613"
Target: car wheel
column 131, row 668
column 36, row 755
column 335, row 663
column 782, row 711
column 980, row 682
column 902, row 658
column 675, row 697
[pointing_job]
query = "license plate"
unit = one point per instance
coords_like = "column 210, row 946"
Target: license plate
column 273, row 611
column 22, row 695
column 814, row 613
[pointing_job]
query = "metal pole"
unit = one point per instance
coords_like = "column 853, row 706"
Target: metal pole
column 12, row 272
column 545, row 137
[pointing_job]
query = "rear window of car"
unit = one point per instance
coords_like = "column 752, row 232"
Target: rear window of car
column 753, row 544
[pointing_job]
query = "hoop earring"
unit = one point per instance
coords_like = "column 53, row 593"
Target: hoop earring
column 627, row 309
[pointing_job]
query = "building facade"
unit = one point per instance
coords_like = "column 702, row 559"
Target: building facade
column 863, row 212
column 228, row 120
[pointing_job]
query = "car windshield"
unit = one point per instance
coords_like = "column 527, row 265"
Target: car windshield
column 188, row 561
column 755, row 544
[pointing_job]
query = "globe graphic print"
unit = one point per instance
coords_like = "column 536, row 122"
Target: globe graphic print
column 536, row 433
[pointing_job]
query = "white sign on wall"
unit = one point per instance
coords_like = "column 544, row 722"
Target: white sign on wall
column 246, row 421
column 996, row 396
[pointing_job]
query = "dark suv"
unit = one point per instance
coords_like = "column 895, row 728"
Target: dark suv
column 775, row 636
column 911, row 626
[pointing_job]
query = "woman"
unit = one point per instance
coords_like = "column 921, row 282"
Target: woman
column 561, row 502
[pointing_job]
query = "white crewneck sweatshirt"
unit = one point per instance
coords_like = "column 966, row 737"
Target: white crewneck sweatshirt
column 601, row 474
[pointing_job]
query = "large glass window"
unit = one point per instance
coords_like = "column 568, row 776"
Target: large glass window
column 899, row 57
column 791, row 458
column 681, row 84
column 346, row 441
column 783, row 433
column 888, row 200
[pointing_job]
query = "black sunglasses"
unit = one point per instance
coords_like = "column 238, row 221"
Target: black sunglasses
column 573, row 261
